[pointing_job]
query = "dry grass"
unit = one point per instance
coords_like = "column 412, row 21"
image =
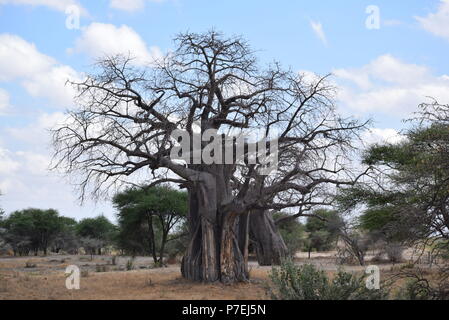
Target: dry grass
column 133, row 285
column 47, row 282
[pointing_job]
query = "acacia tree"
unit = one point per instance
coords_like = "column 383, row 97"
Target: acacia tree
column 128, row 114
column 96, row 233
column 147, row 217
column 32, row 230
column 407, row 197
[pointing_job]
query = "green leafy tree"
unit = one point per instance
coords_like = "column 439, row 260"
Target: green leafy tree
column 293, row 233
column 323, row 230
column 146, row 218
column 408, row 198
column 96, row 233
column 32, row 230
column 67, row 239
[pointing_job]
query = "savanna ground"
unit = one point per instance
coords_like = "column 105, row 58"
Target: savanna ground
column 43, row 278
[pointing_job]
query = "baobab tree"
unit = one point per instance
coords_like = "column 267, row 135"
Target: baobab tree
column 127, row 116
column 268, row 242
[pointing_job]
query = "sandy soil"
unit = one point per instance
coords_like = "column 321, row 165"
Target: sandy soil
column 46, row 281
column 44, row 278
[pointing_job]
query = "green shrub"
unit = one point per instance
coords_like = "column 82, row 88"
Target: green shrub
column 421, row 288
column 291, row 282
column 292, row 233
column 414, row 290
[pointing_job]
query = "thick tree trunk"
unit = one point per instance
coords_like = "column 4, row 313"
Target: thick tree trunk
column 234, row 249
column 163, row 242
column 270, row 247
column 201, row 262
column 151, row 237
column 218, row 244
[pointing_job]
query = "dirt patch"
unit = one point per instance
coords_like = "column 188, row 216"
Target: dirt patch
column 134, row 285
column 105, row 278
column 47, row 282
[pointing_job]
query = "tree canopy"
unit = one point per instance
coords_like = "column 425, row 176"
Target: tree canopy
column 323, row 230
column 32, row 229
column 147, row 216
column 407, row 197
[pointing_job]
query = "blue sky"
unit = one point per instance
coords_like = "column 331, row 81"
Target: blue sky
column 381, row 73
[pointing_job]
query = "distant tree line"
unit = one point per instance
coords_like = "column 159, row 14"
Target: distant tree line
column 151, row 221
column 34, row 231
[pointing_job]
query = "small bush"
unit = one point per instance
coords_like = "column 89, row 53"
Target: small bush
column 130, row 265
column 291, row 282
column 425, row 285
column 30, row 265
column 394, row 252
column 414, row 290
column 101, row 268
column 84, row 273
column 157, row 265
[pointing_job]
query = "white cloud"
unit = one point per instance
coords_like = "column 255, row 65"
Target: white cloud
column 386, row 68
column 319, row 31
column 35, row 163
column 4, row 100
column 389, row 86
column 25, row 180
column 40, row 74
column 19, row 58
column 129, row 5
column 437, row 23
column 37, row 133
column 7, row 164
column 52, row 85
column 100, row 39
column 377, row 135
column 59, row 5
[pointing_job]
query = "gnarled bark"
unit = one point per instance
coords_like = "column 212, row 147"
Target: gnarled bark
column 270, row 247
column 218, row 247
